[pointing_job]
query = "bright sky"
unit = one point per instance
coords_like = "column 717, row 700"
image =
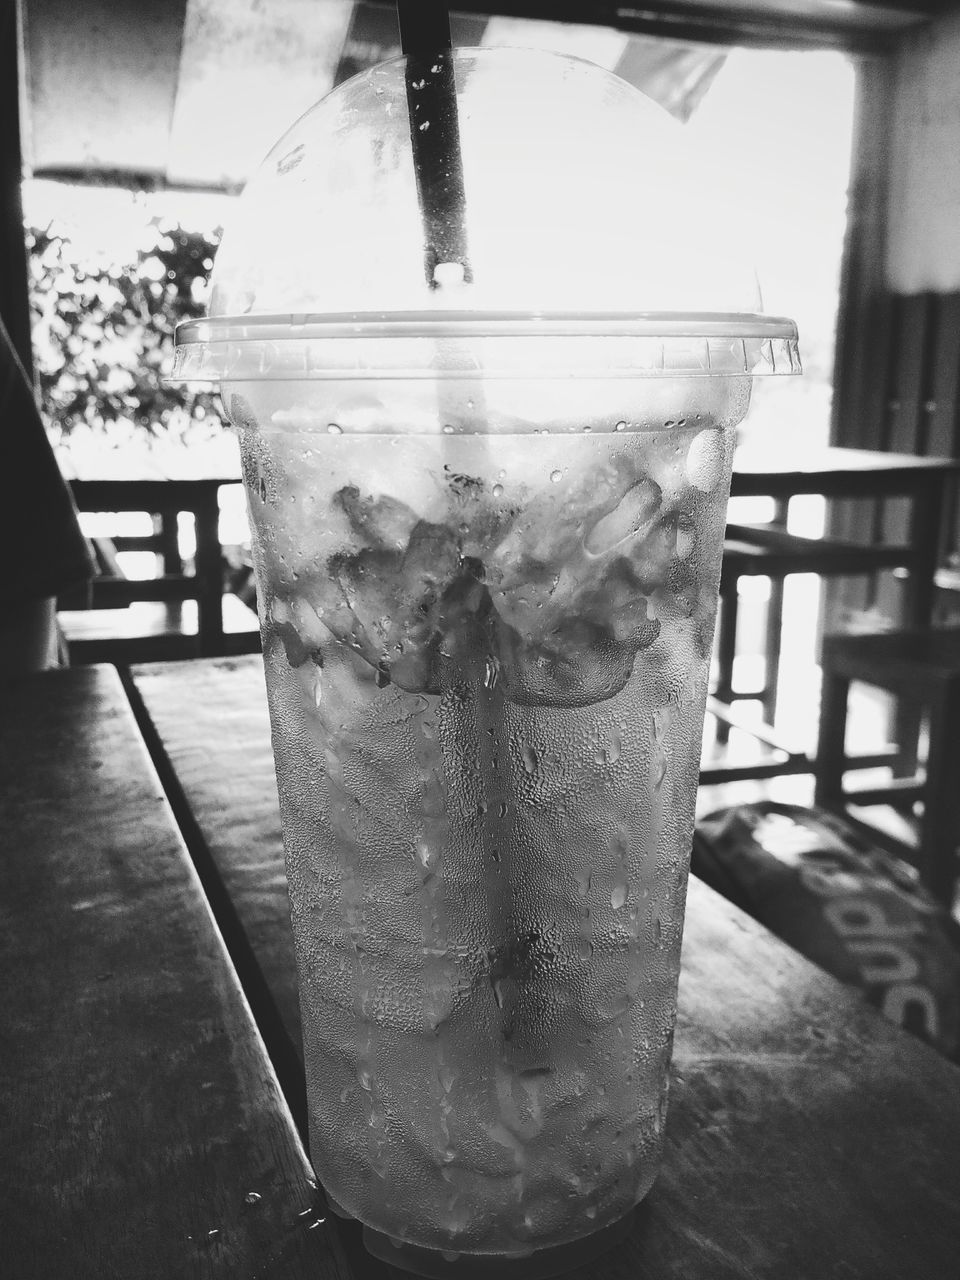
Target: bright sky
column 775, row 130
column 778, row 124
column 782, row 123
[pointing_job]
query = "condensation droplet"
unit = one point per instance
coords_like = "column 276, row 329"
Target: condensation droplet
column 618, row 897
column 531, row 760
column 425, row 126
column 498, row 490
column 447, row 429
column 333, row 429
column 252, row 1197
column 556, row 476
column 621, row 426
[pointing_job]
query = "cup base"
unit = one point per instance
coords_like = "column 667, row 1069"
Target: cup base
column 538, row 1265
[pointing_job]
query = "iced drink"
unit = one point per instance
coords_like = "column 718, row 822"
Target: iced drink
column 485, row 661
column 487, row 494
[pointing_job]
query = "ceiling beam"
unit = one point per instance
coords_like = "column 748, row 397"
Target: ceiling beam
column 850, row 25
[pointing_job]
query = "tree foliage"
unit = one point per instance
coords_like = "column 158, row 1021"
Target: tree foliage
column 103, row 332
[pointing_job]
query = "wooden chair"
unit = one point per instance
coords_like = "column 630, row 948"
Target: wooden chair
column 769, row 551
column 922, row 670
column 117, row 619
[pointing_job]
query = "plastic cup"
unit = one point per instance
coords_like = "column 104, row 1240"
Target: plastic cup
column 487, row 543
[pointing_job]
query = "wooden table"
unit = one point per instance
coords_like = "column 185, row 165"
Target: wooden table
column 788, row 472
column 143, row 1131
column 807, row 1138
column 165, row 486
column 103, row 481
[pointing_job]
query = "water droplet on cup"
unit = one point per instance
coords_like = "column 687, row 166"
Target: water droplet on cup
column 556, row 476
column 334, row 430
column 252, row 1197
column 498, row 490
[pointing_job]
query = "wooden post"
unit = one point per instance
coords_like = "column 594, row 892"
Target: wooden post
column 14, row 298
column 863, row 321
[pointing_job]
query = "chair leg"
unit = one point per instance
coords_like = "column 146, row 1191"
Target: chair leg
column 831, row 743
column 771, row 670
column 166, row 525
column 906, row 733
column 726, row 650
column 941, row 798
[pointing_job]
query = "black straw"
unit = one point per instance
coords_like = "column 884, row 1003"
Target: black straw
column 424, row 26
column 434, row 133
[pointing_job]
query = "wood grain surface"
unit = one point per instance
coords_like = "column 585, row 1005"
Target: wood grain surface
column 807, row 1138
column 142, row 1128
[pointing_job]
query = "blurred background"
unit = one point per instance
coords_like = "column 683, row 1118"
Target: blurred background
column 833, row 127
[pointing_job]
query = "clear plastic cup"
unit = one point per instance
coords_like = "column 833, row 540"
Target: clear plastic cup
column 487, row 535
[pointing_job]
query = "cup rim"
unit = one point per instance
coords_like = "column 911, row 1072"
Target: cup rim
column 448, row 323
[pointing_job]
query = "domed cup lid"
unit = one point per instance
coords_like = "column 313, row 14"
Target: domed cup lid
column 588, row 232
